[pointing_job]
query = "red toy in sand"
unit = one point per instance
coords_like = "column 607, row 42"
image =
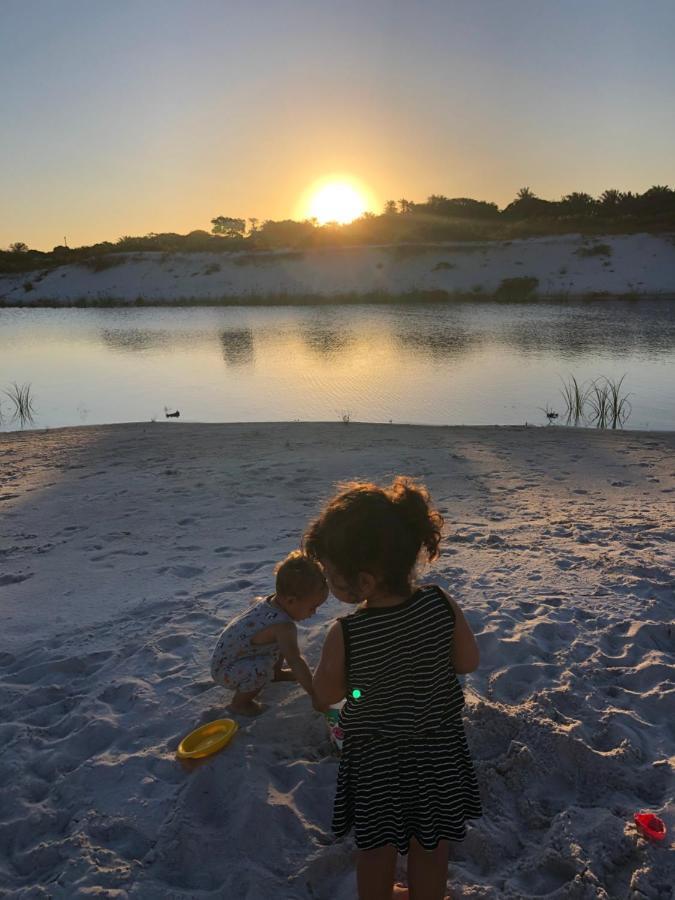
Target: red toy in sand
column 650, row 825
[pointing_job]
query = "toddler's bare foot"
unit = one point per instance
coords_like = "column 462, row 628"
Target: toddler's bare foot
column 245, row 707
column 284, row 675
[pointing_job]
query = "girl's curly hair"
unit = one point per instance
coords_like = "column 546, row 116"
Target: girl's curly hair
column 381, row 530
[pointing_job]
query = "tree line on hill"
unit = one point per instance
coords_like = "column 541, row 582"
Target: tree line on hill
column 439, row 218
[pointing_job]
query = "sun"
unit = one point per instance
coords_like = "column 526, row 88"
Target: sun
column 336, row 200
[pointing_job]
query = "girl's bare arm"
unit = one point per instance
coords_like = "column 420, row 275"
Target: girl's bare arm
column 465, row 654
column 329, row 678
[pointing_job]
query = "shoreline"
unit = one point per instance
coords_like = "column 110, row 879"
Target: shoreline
column 123, row 550
column 329, row 424
column 414, row 298
column 339, row 300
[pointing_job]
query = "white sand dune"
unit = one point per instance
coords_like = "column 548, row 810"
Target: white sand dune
column 626, row 265
column 124, row 548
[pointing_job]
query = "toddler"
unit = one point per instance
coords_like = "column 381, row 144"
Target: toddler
column 252, row 648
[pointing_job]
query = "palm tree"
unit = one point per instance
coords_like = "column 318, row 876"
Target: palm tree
column 611, row 197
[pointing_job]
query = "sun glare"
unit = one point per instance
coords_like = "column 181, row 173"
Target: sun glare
column 336, row 201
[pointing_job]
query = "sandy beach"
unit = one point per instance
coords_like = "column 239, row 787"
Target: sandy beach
column 124, row 549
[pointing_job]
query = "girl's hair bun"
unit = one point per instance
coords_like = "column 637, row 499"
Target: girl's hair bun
column 367, row 528
column 414, row 502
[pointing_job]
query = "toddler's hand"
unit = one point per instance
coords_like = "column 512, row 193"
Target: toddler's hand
column 284, row 675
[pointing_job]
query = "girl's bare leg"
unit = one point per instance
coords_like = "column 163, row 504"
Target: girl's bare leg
column 244, row 703
column 375, row 873
column 428, row 871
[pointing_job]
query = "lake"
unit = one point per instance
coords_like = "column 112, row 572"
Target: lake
column 462, row 363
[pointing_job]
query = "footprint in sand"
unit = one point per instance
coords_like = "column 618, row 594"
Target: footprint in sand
column 519, row 681
column 239, row 584
column 77, row 666
column 14, row 579
column 246, row 568
column 125, row 693
column 180, row 571
column 545, row 878
column 528, row 607
column 101, row 556
column 171, row 641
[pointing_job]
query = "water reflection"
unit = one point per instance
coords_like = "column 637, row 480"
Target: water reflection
column 134, row 340
column 323, row 340
column 599, row 328
column 569, row 330
column 238, row 349
column 437, row 341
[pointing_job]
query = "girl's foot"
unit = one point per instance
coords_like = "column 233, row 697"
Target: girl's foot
column 245, row 707
column 284, row 675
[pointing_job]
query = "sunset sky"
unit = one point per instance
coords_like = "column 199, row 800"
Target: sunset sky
column 157, row 115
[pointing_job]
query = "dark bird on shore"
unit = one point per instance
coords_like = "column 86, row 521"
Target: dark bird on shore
column 173, row 415
column 551, row 415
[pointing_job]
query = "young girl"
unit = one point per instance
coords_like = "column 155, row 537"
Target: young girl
column 406, row 781
column 251, row 649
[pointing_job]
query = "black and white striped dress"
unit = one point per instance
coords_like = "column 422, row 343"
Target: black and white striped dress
column 405, row 769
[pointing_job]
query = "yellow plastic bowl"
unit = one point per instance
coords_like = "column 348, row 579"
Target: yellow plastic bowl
column 208, row 739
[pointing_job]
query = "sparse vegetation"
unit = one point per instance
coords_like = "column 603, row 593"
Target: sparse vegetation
column 517, row 288
column 575, row 397
column 21, row 398
column 101, row 263
column 594, row 250
column 599, row 402
column 618, row 406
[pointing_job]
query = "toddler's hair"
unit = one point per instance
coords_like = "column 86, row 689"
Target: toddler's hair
column 298, row 575
column 366, row 528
